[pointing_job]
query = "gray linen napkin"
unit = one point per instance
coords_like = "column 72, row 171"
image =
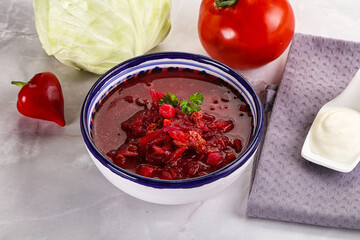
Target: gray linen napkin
column 285, row 186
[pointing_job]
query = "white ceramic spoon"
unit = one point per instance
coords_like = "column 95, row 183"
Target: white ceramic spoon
column 349, row 98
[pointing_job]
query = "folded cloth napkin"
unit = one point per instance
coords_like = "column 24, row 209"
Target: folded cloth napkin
column 286, row 186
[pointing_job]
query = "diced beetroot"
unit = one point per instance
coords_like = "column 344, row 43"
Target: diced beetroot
column 188, row 124
column 167, row 111
column 120, row 161
column 184, row 125
column 202, row 174
column 172, row 163
column 214, row 159
column 160, row 150
column 203, row 125
column 162, row 137
column 179, row 137
column 137, row 127
column 129, row 154
column 230, row 157
column 126, row 150
column 165, row 175
column 171, row 128
column 177, row 153
column 132, row 148
column 237, row 145
column 221, row 125
column 193, row 168
column 211, row 150
column 155, row 95
column 167, row 146
column 153, row 157
column 219, row 141
column 164, row 143
column 146, row 170
column 150, row 136
column 176, row 172
column 208, row 117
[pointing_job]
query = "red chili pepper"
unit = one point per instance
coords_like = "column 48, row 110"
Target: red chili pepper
column 42, row 98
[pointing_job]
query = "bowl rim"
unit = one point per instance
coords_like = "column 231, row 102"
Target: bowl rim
column 182, row 183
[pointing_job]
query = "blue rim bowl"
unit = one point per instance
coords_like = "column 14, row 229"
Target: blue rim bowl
column 129, row 68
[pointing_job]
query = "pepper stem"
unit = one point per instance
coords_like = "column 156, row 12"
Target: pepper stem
column 225, row 3
column 18, row 83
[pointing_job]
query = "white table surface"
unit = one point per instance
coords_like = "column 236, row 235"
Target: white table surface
column 49, row 187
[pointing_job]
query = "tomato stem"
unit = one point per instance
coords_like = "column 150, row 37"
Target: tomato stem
column 18, row 83
column 225, row 3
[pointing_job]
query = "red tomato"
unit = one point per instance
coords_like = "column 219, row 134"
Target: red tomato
column 247, row 35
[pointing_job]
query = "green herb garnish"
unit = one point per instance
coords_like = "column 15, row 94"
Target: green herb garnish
column 187, row 106
column 196, row 98
column 169, row 98
column 193, row 104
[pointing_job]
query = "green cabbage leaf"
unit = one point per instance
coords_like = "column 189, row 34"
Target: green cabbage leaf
column 96, row 35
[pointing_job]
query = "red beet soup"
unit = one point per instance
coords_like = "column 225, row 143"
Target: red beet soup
column 136, row 127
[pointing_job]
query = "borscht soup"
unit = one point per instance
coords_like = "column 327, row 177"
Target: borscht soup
column 172, row 123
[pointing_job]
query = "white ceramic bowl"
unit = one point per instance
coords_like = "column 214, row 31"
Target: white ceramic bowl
column 171, row 191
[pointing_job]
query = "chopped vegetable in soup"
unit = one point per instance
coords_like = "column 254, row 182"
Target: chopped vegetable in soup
column 172, row 124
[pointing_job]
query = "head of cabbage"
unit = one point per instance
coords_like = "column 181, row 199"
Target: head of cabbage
column 96, row 35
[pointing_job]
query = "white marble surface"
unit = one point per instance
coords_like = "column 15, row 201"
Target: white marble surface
column 50, row 189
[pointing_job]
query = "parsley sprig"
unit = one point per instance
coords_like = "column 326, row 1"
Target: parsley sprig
column 193, row 104
column 169, row 98
column 188, row 106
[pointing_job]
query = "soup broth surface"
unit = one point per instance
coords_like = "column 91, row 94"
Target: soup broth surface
column 221, row 101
